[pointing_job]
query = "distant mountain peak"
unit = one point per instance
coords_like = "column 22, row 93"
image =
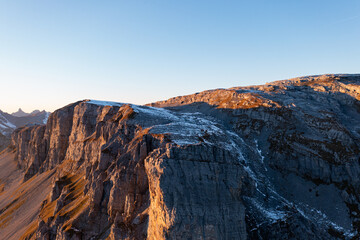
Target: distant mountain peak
column 35, row 112
column 20, row 113
column 9, row 122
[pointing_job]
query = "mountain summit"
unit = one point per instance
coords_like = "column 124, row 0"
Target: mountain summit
column 275, row 161
column 20, row 113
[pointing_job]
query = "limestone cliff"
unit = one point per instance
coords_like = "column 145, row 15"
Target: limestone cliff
column 277, row 161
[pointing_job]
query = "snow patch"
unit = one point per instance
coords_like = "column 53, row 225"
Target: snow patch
column 104, row 103
column 183, row 142
column 186, row 128
column 306, row 211
column 6, row 126
column 251, row 174
column 192, row 128
column 259, row 151
column 272, row 214
column 260, row 154
column 5, row 123
column 157, row 112
column 46, row 117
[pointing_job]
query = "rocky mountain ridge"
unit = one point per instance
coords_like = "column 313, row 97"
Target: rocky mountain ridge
column 276, row 161
column 9, row 122
column 21, row 113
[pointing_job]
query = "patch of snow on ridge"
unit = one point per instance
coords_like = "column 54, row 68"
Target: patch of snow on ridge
column 104, row 103
column 2, row 129
column 194, row 128
column 6, row 127
column 183, row 142
column 7, row 124
column 320, row 217
column 46, row 117
column 259, row 151
column 272, row 208
column 188, row 128
column 154, row 111
column 272, row 214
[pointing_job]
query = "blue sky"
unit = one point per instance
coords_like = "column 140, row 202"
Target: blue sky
column 56, row 52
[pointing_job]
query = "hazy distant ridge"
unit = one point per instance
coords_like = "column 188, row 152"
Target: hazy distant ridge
column 9, row 122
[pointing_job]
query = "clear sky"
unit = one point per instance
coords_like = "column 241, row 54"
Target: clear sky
column 56, row 52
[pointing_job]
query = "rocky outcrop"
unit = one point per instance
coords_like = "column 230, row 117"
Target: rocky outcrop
column 262, row 162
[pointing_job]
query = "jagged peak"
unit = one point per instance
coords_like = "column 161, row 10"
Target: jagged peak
column 20, row 113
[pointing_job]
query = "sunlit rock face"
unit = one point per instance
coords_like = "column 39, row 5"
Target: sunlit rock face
column 277, row 161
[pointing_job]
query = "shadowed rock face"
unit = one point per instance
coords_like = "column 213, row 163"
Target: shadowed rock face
column 277, row 161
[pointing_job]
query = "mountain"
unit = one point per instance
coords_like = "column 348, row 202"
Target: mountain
column 6, row 126
column 20, row 113
column 34, row 112
column 276, row 161
column 9, row 122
